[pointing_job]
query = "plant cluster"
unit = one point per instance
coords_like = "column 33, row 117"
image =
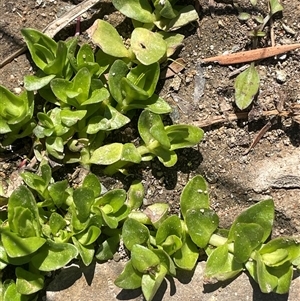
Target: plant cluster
column 49, row 224
column 86, row 96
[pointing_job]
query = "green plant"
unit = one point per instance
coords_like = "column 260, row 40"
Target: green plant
column 49, row 224
column 160, row 244
column 16, row 114
column 247, row 83
column 164, row 14
column 83, row 106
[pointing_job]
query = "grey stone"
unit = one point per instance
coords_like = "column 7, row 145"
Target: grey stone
column 97, row 283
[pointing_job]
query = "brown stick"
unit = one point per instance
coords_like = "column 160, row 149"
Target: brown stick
column 251, row 55
column 237, row 116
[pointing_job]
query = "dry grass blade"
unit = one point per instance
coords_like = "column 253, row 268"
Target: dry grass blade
column 251, row 55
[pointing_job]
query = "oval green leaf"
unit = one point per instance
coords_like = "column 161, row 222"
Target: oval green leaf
column 194, row 195
column 246, row 87
column 107, row 38
column 53, row 256
column 147, row 46
column 201, row 224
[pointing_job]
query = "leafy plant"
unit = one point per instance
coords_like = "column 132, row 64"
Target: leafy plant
column 164, row 14
column 159, row 244
column 16, row 114
column 83, row 106
column 247, row 83
column 49, row 224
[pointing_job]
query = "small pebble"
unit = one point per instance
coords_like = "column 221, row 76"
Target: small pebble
column 281, row 76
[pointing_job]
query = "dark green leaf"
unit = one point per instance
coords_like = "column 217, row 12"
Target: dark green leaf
column 133, row 232
column 170, row 226
column 261, row 213
column 201, row 224
column 194, row 195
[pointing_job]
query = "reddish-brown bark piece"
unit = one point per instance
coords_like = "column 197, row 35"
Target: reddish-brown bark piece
column 251, row 55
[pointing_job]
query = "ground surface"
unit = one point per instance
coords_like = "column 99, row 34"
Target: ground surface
column 198, row 94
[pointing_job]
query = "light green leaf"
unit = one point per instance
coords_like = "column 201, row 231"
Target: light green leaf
column 139, row 10
column 170, row 226
column 57, row 192
column 70, row 118
column 56, row 222
column 221, row 265
column 86, row 252
column 118, row 70
column 186, row 258
column 55, row 147
column 157, row 213
column 247, row 237
column 92, row 182
column 280, row 250
column 27, row 282
column 143, row 259
column 108, row 248
column 267, row 282
column 182, row 135
column 16, row 246
column 135, row 195
column 110, row 119
column 53, row 256
column 185, row 16
column 275, row 6
column 22, row 197
column 32, row 83
column 11, row 293
column 147, row 46
column 83, row 199
column 246, row 87
column 244, row 16
column 88, row 236
column 107, row 38
column 151, row 283
column 130, row 278
column 111, row 153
